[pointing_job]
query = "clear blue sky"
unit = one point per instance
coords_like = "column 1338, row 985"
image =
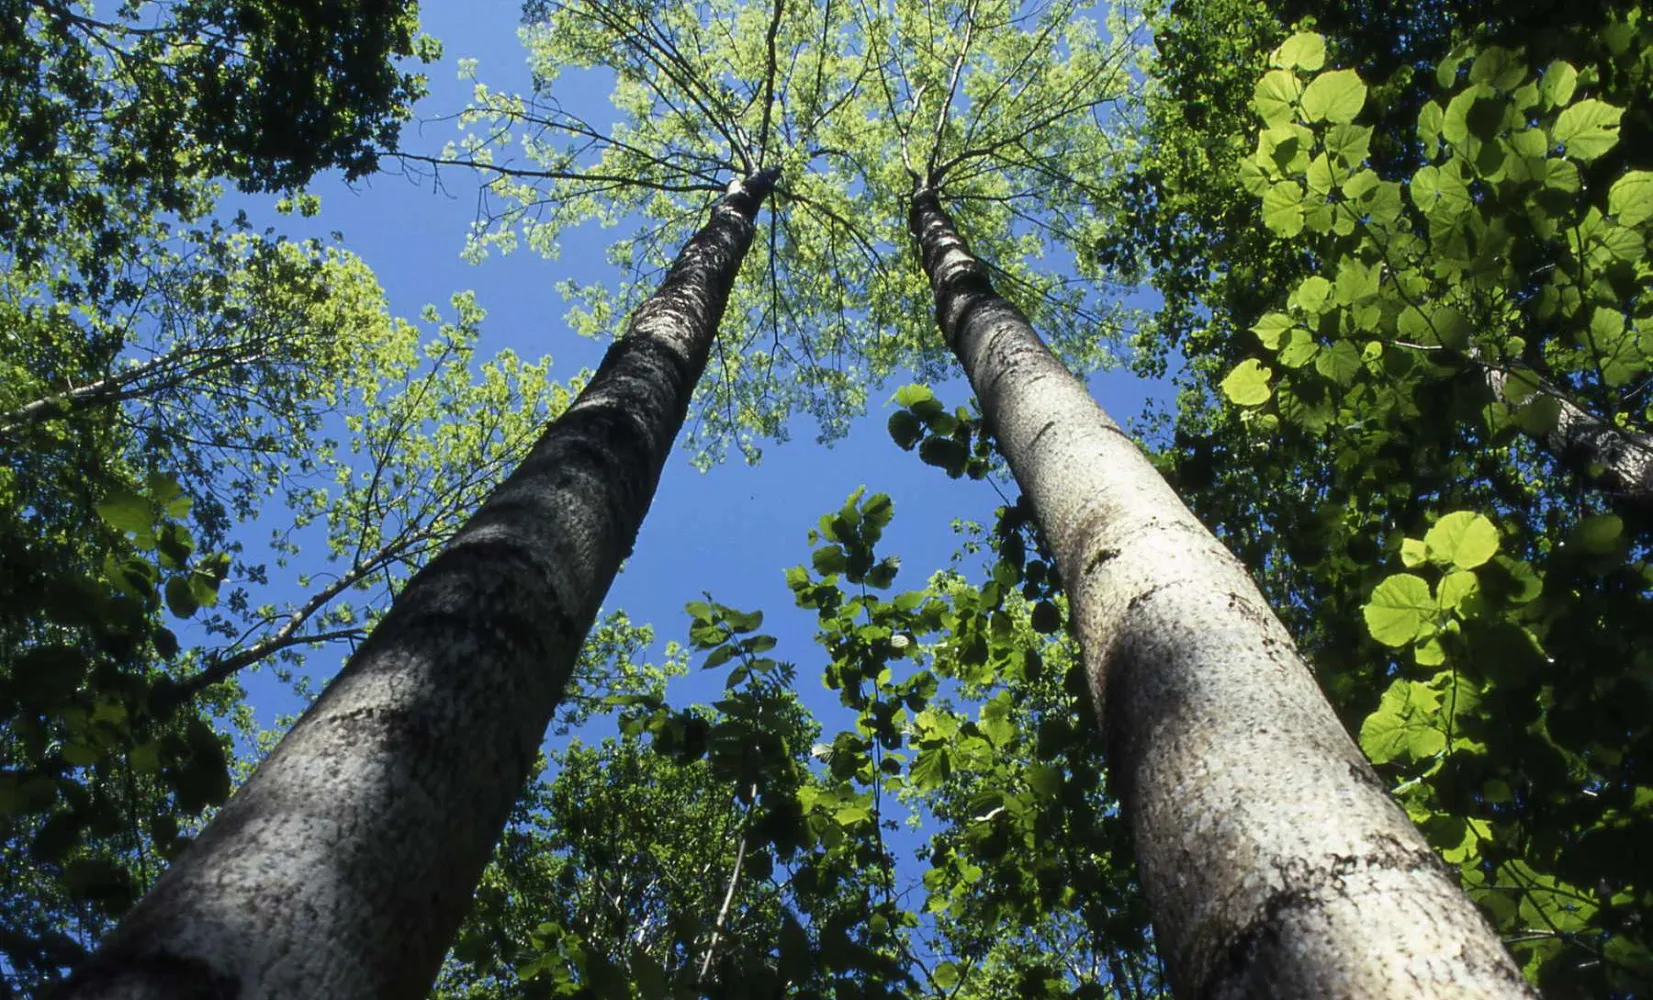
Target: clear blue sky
column 730, row 531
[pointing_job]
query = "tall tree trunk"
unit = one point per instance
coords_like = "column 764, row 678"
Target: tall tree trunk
column 344, row 865
column 1273, row 860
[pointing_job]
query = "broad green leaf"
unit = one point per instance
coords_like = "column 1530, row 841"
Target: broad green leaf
column 180, row 598
column 1046, row 618
column 1335, row 97
column 909, row 396
column 1270, row 328
column 1399, row 608
column 931, row 768
column 1413, row 553
column 1276, row 96
column 1304, row 50
column 1247, row 384
column 1454, row 588
column 1560, row 78
column 1349, row 143
column 944, row 453
column 829, row 559
column 1341, row 363
column 1283, row 209
column 1588, row 129
column 1299, row 350
column 946, row 975
column 124, row 510
column 905, row 429
column 1498, row 67
column 1599, row 534
column 1403, row 726
column 1046, row 779
column 1312, row 294
column 1463, row 539
column 1631, row 198
column 1429, row 653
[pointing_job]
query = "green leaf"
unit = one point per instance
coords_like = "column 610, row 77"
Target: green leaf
column 1045, row 779
column 1588, row 129
column 1429, row 653
column 1349, row 143
column 1247, row 384
column 180, row 598
column 1341, row 364
column 1283, row 209
column 1631, row 198
column 1402, row 727
column 1413, row 553
column 946, row 975
column 1599, row 534
column 909, row 396
column 1304, row 50
column 944, row 453
column 1335, row 97
column 905, row 429
column 1557, row 86
column 124, row 510
column 1270, row 328
column 1312, row 294
column 1300, row 348
column 1454, row 588
column 829, row 559
column 1275, row 95
column 1046, row 618
column 931, row 768
column 1462, row 539
column 1398, row 610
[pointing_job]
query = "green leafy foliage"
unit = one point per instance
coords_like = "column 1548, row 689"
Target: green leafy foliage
column 1457, row 311
column 855, row 107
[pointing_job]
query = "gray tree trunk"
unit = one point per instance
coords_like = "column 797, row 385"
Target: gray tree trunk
column 1273, row 860
column 344, row 865
column 1616, row 461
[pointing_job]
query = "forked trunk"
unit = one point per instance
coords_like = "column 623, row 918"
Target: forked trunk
column 344, row 865
column 1274, row 862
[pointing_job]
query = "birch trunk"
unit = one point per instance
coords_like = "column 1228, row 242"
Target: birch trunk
column 1274, row 862
column 344, row 865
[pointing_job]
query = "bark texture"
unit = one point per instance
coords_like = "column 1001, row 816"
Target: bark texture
column 1274, row 862
column 344, row 865
column 1616, row 461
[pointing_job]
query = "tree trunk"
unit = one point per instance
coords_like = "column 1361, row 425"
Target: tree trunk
column 344, row 865
column 1273, row 860
column 1616, row 461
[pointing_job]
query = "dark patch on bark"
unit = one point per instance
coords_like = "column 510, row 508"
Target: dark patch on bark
column 1138, row 599
column 154, row 975
column 1305, row 889
column 1102, row 557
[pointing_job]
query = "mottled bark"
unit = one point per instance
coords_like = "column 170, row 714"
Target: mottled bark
column 1274, row 862
column 344, row 865
column 1616, row 461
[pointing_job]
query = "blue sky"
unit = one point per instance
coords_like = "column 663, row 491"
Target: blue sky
column 731, row 531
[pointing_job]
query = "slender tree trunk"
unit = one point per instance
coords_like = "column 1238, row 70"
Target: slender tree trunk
column 1274, row 862
column 344, row 865
column 1616, row 461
